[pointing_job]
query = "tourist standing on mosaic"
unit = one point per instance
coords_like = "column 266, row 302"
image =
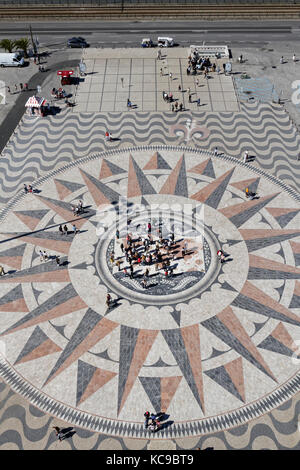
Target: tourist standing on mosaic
column 108, row 300
column 58, row 433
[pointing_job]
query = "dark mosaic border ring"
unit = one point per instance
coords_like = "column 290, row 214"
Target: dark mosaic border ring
column 134, row 429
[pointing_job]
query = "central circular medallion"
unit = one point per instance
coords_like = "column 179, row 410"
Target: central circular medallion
column 172, row 259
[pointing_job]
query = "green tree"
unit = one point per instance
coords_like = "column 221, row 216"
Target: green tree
column 23, row 44
column 7, row 45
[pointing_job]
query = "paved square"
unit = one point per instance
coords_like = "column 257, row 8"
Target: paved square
column 212, row 344
column 111, row 81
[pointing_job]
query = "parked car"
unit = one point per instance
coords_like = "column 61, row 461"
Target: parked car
column 147, row 42
column 77, row 42
column 165, row 42
column 13, row 59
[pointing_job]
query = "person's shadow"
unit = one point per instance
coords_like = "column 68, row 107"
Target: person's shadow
column 67, row 433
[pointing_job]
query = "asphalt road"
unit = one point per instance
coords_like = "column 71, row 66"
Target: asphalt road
column 129, row 33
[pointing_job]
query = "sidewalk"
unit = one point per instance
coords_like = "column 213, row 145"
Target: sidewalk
column 12, row 119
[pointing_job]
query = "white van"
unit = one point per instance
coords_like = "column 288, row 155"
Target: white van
column 14, row 59
column 165, row 42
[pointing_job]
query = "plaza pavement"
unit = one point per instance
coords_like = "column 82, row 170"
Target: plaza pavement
column 113, row 76
column 232, row 382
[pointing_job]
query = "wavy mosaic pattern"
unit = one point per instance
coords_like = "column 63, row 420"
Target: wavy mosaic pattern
column 42, row 145
column 24, row 427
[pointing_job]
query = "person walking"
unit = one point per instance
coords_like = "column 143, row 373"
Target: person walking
column 176, row 105
column 25, row 188
column 122, row 247
column 170, row 75
column 216, row 151
column 45, row 256
column 281, row 59
column 118, row 263
column 16, row 88
column 221, row 255
column 294, row 58
column 108, row 136
column 60, row 229
column 190, row 98
column 122, row 81
column 131, row 270
column 108, row 300
column 41, row 255
column 74, row 228
column 147, row 417
column 57, row 259
column 66, row 229
column 246, row 156
column 8, row 90
column 2, row 272
column 21, row 86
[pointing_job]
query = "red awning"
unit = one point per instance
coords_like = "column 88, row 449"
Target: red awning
column 65, row 73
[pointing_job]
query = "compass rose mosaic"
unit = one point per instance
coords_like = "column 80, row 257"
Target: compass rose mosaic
column 212, row 344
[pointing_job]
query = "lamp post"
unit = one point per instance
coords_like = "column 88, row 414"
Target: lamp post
column 32, row 41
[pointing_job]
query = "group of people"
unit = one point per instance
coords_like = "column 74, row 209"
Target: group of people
column 196, row 62
column 45, row 257
column 28, row 189
column 78, row 209
column 58, row 93
column 249, row 194
column 64, row 229
column 147, row 252
column 23, row 87
column 151, row 421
